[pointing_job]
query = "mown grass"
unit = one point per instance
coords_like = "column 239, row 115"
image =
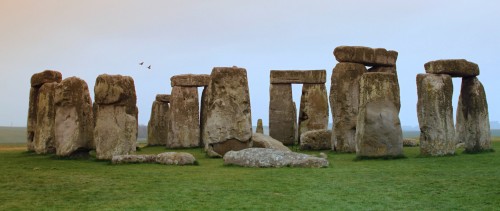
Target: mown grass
column 44, row 182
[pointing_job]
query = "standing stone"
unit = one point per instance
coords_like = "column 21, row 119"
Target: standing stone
column 115, row 132
column 366, row 56
column 260, row 128
column 184, row 123
column 473, row 122
column 203, row 113
column 74, row 124
column 344, row 102
column 157, row 125
column 378, row 129
column 435, row 114
column 313, row 113
column 44, row 140
column 282, row 117
column 228, row 124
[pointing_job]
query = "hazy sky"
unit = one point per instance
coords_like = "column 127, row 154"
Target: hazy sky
column 86, row 38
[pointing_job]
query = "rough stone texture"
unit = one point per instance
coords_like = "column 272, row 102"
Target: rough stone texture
column 409, row 142
column 203, row 113
column 116, row 90
column 316, row 140
column 121, row 159
column 175, row 158
column 262, row 141
column 74, row 121
column 383, row 69
column 298, row 76
column 452, row 67
column 313, row 108
column 435, row 114
column 260, row 128
column 184, row 122
column 47, row 76
column 282, row 118
column 344, row 102
column 365, row 55
column 378, row 129
column 473, row 122
column 163, row 98
column 195, row 80
column 261, row 157
column 228, row 123
column 44, row 137
column 158, row 123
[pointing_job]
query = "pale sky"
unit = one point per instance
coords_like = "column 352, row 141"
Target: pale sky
column 85, row 38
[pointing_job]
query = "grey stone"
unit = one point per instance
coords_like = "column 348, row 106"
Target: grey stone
column 44, row 137
column 158, row 123
column 298, row 76
column 262, row 141
column 410, row 142
column 435, row 114
column 344, row 102
column 116, row 90
column 452, row 67
column 203, row 113
column 184, row 121
column 273, row 158
column 176, row 158
column 365, row 55
column 260, row 128
column 121, row 159
column 378, row 129
column 282, row 114
column 313, row 113
column 316, row 140
column 473, row 122
column 195, row 80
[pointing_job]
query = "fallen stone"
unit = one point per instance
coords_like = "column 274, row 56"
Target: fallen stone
column 378, row 129
column 121, row 159
column 452, row 67
column 409, row 142
column 435, row 114
column 344, row 102
column 316, row 140
column 228, row 124
column 176, row 158
column 163, row 98
column 298, row 76
column 366, row 56
column 74, row 121
column 195, row 80
column 184, row 119
column 47, row 76
column 282, row 114
column 44, row 137
column 262, row 141
column 313, row 113
column 158, row 123
column 260, row 128
column 261, row 157
column 473, row 122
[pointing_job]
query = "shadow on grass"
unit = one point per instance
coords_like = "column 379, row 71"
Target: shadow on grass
column 389, row 157
column 478, row 151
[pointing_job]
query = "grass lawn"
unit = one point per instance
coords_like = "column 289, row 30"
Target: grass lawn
column 462, row 182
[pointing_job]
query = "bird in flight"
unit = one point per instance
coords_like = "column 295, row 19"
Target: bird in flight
column 149, row 67
column 141, row 63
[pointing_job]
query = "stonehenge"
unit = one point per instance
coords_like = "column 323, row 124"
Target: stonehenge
column 273, row 158
column 282, row 114
column 158, row 121
column 260, row 127
column 316, row 140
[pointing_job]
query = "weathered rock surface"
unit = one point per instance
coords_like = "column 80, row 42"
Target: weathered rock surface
column 47, row 76
column 163, row 98
column 158, row 122
column 175, row 158
column 365, row 55
column 282, row 114
column 298, row 76
column 435, row 114
column 316, row 140
column 313, row 108
column 262, row 141
column 195, row 80
column 184, row 120
column 120, row 159
column 203, row 113
column 261, row 157
column 260, row 128
column 228, row 123
column 473, row 122
column 344, row 102
column 116, row 90
column 378, row 129
column 44, row 137
column 383, row 69
column 409, row 142
column 74, row 121
column 452, row 67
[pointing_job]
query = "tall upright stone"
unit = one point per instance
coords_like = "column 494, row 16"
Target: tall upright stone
column 184, row 122
column 260, row 127
column 203, row 113
column 74, row 121
column 115, row 132
column 344, row 102
column 435, row 114
column 473, row 123
column 228, row 124
column 313, row 114
column 282, row 117
column 378, row 129
column 44, row 140
column 158, row 122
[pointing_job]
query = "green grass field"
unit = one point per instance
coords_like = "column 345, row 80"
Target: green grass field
column 43, row 182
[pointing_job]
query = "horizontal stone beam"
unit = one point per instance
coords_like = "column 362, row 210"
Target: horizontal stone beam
column 163, row 98
column 365, row 55
column 298, row 76
column 452, row 67
column 190, row 80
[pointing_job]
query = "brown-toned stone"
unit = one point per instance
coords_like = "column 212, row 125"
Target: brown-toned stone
column 47, row 76
column 116, row 90
column 260, row 127
column 262, row 141
column 452, row 67
column 203, row 113
column 31, row 126
column 316, row 140
column 282, row 118
column 196, row 80
column 313, row 113
column 158, row 123
column 163, row 98
column 298, row 76
column 366, row 56
column 44, row 137
column 184, row 120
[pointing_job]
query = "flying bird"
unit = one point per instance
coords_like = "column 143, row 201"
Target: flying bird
column 149, row 67
column 141, row 63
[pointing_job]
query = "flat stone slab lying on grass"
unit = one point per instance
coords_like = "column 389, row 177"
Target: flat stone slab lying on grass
column 365, row 55
column 298, row 76
column 190, row 80
column 167, row 158
column 452, row 67
column 261, row 157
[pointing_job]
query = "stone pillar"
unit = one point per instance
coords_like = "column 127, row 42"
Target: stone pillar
column 184, row 126
column 281, row 115
column 228, row 124
column 260, row 127
column 44, row 141
column 313, row 114
column 203, row 113
column 115, row 131
column 344, row 102
column 74, row 121
column 473, row 122
column 158, row 122
column 378, row 128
